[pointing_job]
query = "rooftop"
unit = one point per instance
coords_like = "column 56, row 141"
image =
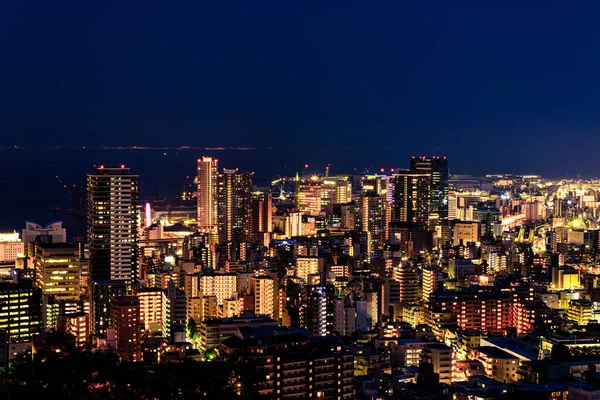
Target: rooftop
column 495, row 352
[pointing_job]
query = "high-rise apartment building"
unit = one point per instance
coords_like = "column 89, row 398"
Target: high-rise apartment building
column 318, row 310
column 299, row 367
column 221, row 286
column 234, row 200
column 430, row 283
column 408, row 278
column 374, row 220
column 76, row 324
column 207, row 194
column 264, row 290
column 112, row 219
column 441, row 358
column 262, row 213
column 306, row 266
column 410, row 197
column 437, row 169
column 153, row 310
column 125, row 312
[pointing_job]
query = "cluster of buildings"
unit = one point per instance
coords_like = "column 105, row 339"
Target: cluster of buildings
column 407, row 284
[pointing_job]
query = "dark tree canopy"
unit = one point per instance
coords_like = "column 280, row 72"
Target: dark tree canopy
column 100, row 375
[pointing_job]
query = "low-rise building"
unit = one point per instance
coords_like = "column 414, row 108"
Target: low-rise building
column 497, row 363
column 212, row 332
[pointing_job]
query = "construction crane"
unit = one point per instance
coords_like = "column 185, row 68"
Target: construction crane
column 78, row 196
column 65, row 185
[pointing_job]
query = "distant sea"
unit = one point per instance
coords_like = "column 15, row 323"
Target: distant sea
column 31, row 188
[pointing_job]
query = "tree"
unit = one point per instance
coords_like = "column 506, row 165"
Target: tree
column 192, row 329
column 101, row 375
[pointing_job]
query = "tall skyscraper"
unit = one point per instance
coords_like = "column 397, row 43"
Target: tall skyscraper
column 437, row 168
column 207, row 194
column 410, row 197
column 234, row 200
column 375, row 212
column 112, row 222
column 374, row 220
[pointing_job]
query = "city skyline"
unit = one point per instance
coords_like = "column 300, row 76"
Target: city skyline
column 281, row 200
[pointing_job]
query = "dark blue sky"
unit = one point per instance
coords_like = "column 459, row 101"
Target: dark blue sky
column 450, row 77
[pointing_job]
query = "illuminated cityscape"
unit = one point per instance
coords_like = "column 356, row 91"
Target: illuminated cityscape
column 346, row 286
column 296, row 200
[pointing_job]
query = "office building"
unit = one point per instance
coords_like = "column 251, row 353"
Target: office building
column 309, row 196
column 336, row 190
column 437, row 169
column 465, row 232
column 11, row 247
column 125, row 319
column 376, row 184
column 580, row 311
column 234, row 200
column 410, row 197
column 20, row 311
column 112, row 222
column 51, row 233
column 58, row 270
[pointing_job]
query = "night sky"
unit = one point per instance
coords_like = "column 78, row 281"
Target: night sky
column 453, row 77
